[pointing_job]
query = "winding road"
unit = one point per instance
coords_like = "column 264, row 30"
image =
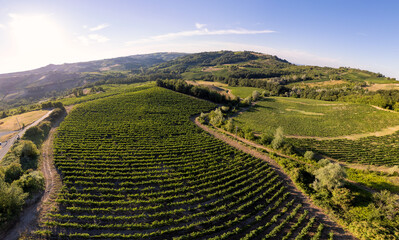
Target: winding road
column 7, row 145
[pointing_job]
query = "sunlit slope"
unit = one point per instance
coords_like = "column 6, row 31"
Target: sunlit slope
column 134, row 166
column 306, row 117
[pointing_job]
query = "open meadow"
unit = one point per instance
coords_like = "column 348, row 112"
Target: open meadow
column 307, row 117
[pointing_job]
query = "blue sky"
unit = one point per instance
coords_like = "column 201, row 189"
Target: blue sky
column 360, row 34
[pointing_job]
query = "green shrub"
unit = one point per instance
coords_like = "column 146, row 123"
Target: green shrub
column 12, row 172
column 309, row 155
column 278, row 140
column 330, row 176
column 32, row 182
column 12, row 198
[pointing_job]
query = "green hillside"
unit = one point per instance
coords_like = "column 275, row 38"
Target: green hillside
column 134, row 166
column 307, row 117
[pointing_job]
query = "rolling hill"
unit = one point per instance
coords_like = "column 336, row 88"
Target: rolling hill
column 41, row 82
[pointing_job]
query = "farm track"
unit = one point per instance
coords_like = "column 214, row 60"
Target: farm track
column 30, row 216
column 313, row 209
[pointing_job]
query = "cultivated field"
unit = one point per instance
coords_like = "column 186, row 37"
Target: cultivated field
column 134, row 166
column 370, row 150
column 306, row 117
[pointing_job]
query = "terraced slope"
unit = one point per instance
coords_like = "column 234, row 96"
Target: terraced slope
column 135, row 167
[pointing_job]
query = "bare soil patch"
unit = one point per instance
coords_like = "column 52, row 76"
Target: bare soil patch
column 387, row 86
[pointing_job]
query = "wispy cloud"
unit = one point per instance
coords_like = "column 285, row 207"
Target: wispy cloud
column 199, row 25
column 99, row 27
column 98, row 38
column 92, row 38
column 2, row 26
column 200, row 31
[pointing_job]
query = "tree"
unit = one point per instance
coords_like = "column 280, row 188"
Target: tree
column 13, row 172
column 323, row 162
column 278, row 140
column 230, row 126
column 32, row 182
column 266, row 138
column 216, row 117
column 255, row 95
column 12, row 198
column 330, row 176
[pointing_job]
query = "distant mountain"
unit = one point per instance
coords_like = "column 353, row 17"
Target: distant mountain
column 228, row 66
column 243, row 68
column 41, row 81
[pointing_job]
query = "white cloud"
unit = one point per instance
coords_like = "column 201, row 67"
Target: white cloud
column 201, row 31
column 2, row 26
column 89, row 39
column 199, row 25
column 99, row 27
column 98, row 38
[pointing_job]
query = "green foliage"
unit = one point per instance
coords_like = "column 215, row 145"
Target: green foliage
column 323, row 162
column 32, row 182
column 196, row 91
column 11, row 201
column 204, row 118
column 216, row 117
column 330, row 176
column 342, row 197
column 387, row 204
column 230, row 125
column 12, row 172
column 374, row 180
column 249, row 134
column 25, row 153
column 266, row 139
column 374, row 150
column 255, row 96
column 305, row 117
column 134, row 166
column 278, row 139
column 309, row 155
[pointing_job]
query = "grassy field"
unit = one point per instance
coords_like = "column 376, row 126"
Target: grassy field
column 11, row 123
column 135, row 167
column 306, row 117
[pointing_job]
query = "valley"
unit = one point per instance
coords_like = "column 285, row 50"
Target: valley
column 223, row 145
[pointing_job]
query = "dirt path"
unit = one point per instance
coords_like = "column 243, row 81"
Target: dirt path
column 313, row 209
column 31, row 216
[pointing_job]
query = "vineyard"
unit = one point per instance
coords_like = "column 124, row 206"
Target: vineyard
column 135, row 167
column 382, row 150
column 306, row 117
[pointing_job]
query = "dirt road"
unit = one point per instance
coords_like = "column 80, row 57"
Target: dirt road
column 31, row 215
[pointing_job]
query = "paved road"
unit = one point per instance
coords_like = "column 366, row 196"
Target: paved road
column 7, row 145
